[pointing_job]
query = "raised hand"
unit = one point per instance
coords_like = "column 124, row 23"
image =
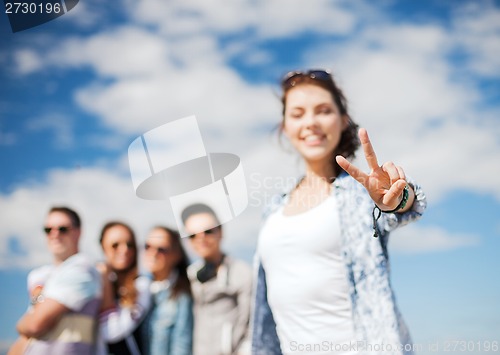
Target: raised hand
column 385, row 183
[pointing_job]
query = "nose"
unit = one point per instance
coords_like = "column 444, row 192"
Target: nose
column 123, row 248
column 310, row 119
column 199, row 236
column 55, row 233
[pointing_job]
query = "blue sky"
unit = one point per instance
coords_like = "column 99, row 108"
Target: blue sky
column 422, row 76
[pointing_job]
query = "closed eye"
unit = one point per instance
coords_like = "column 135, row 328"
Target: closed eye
column 296, row 113
column 324, row 109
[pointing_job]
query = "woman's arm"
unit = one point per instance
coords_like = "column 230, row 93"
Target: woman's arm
column 19, row 346
column 118, row 322
column 182, row 334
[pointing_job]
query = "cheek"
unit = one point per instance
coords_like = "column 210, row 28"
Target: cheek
column 155, row 263
column 108, row 252
column 334, row 125
column 289, row 128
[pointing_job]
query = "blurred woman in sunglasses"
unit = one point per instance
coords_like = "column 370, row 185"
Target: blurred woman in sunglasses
column 323, row 274
column 168, row 327
column 126, row 296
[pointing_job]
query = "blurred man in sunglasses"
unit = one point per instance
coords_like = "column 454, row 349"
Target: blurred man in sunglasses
column 221, row 288
column 65, row 296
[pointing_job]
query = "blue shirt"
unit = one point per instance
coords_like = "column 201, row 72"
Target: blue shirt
column 168, row 327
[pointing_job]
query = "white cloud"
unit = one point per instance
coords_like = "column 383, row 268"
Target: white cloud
column 268, row 19
column 88, row 14
column 285, row 18
column 27, row 61
column 60, row 125
column 156, row 81
column 126, row 52
column 418, row 239
column 477, row 31
column 217, row 96
column 398, row 75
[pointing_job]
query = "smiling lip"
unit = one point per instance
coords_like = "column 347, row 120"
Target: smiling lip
column 313, row 139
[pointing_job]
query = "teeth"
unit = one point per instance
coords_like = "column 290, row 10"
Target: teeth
column 312, row 138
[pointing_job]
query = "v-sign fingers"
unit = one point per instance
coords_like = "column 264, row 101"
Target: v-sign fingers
column 370, row 155
column 392, row 171
column 352, row 170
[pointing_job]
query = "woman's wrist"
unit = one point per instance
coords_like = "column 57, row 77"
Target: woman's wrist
column 402, row 203
column 407, row 199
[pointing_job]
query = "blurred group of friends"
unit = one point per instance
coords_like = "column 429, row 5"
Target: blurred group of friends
column 115, row 307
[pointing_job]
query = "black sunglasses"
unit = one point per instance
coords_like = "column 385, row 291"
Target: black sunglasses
column 291, row 78
column 62, row 229
column 160, row 250
column 210, row 232
column 130, row 245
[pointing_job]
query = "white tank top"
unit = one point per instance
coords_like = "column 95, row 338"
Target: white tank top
column 306, row 278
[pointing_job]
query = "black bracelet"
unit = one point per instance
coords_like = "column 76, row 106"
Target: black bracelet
column 404, row 200
column 376, row 213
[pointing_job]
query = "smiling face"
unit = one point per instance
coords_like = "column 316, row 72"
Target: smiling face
column 313, row 124
column 119, row 248
column 160, row 255
column 62, row 239
column 205, row 236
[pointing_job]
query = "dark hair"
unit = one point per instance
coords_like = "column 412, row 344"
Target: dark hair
column 182, row 285
column 349, row 141
column 72, row 215
column 124, row 286
column 198, row 208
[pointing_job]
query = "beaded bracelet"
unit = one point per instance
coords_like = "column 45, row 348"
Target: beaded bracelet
column 400, row 206
column 404, row 201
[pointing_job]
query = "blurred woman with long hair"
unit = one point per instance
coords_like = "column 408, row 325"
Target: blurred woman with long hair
column 168, row 327
column 126, row 296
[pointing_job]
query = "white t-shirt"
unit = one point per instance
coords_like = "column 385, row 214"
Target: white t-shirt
column 72, row 283
column 76, row 284
column 306, row 278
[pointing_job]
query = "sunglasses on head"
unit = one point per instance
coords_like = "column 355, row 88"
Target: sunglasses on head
column 208, row 232
column 160, row 250
column 292, row 78
column 61, row 230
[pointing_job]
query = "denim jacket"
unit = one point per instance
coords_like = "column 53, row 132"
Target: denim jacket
column 376, row 317
column 168, row 327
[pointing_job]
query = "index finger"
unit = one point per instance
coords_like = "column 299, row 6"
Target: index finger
column 352, row 170
column 371, row 157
